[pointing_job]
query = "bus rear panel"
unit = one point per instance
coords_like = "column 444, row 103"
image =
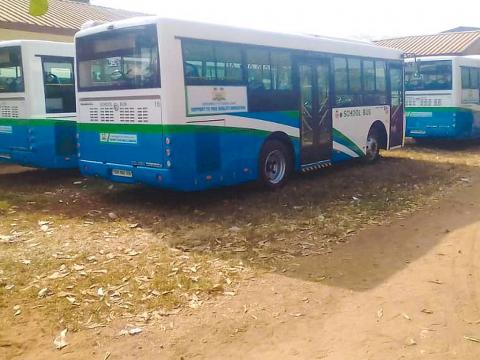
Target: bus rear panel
column 37, row 104
column 442, row 98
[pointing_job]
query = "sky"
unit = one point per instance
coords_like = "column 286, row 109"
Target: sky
column 361, row 19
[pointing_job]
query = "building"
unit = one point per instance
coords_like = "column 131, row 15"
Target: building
column 63, row 19
column 449, row 42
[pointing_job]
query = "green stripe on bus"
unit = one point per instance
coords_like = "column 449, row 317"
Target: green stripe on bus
column 34, row 122
column 341, row 138
column 168, row 129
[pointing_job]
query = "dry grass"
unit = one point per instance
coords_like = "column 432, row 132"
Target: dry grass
column 86, row 275
column 163, row 252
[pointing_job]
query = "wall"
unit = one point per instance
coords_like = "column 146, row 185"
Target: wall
column 7, row 34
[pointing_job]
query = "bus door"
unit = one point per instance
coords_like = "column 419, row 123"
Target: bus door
column 395, row 74
column 315, row 110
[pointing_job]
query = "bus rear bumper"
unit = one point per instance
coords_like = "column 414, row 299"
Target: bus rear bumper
column 171, row 179
column 37, row 160
column 440, row 125
column 125, row 173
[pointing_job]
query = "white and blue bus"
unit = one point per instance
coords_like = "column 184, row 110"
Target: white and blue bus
column 191, row 106
column 443, row 97
column 37, row 104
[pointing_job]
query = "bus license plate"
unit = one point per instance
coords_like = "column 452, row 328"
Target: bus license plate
column 123, row 173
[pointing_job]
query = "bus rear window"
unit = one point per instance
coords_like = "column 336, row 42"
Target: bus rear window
column 428, row 75
column 119, row 59
column 11, row 72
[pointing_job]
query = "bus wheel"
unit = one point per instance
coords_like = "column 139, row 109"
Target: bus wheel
column 372, row 151
column 274, row 165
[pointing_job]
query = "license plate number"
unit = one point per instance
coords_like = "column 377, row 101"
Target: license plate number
column 123, row 173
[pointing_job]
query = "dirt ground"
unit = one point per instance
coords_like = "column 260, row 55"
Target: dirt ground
column 356, row 262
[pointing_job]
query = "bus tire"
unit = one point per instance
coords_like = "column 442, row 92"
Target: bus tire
column 275, row 164
column 372, row 149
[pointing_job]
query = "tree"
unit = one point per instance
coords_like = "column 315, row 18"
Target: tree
column 38, row 7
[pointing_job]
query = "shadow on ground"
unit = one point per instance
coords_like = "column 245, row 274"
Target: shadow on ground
column 314, row 214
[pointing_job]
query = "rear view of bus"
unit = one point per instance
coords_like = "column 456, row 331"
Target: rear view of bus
column 37, row 104
column 119, row 97
column 442, row 97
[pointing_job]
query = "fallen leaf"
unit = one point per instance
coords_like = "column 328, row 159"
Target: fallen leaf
column 78, row 267
column 296, row 314
column 471, row 338
column 60, row 341
column 112, row 216
column 410, row 342
column 100, row 292
column 380, row 313
column 43, row 293
column 135, row 331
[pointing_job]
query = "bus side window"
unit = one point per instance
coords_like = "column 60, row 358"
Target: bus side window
column 380, row 82
column 199, row 61
column 342, row 96
column 465, row 78
column 228, row 63
column 59, row 85
column 281, row 65
column 269, row 78
column 396, row 86
column 355, row 81
column 258, row 69
column 368, row 72
column 474, row 72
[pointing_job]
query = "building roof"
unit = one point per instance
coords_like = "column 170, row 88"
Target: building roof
column 451, row 43
column 462, row 29
column 64, row 17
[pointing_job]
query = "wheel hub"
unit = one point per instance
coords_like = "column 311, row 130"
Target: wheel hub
column 275, row 167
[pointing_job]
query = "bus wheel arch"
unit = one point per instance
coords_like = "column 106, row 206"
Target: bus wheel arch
column 275, row 160
column 377, row 139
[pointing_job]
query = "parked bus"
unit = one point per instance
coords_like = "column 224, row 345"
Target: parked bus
column 442, row 97
column 37, row 104
column 190, row 106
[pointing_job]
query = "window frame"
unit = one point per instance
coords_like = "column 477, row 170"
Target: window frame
column 20, row 52
column 471, row 70
column 146, row 27
column 222, row 82
column 58, row 59
column 358, row 98
column 296, row 54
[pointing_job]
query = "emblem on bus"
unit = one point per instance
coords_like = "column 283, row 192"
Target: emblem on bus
column 219, row 94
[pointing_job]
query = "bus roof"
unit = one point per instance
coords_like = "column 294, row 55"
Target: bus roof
column 34, row 43
column 468, row 60
column 205, row 31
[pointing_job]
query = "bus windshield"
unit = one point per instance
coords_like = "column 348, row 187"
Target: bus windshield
column 428, row 75
column 11, row 74
column 119, row 59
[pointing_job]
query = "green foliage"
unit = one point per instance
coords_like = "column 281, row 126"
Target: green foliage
column 38, row 7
